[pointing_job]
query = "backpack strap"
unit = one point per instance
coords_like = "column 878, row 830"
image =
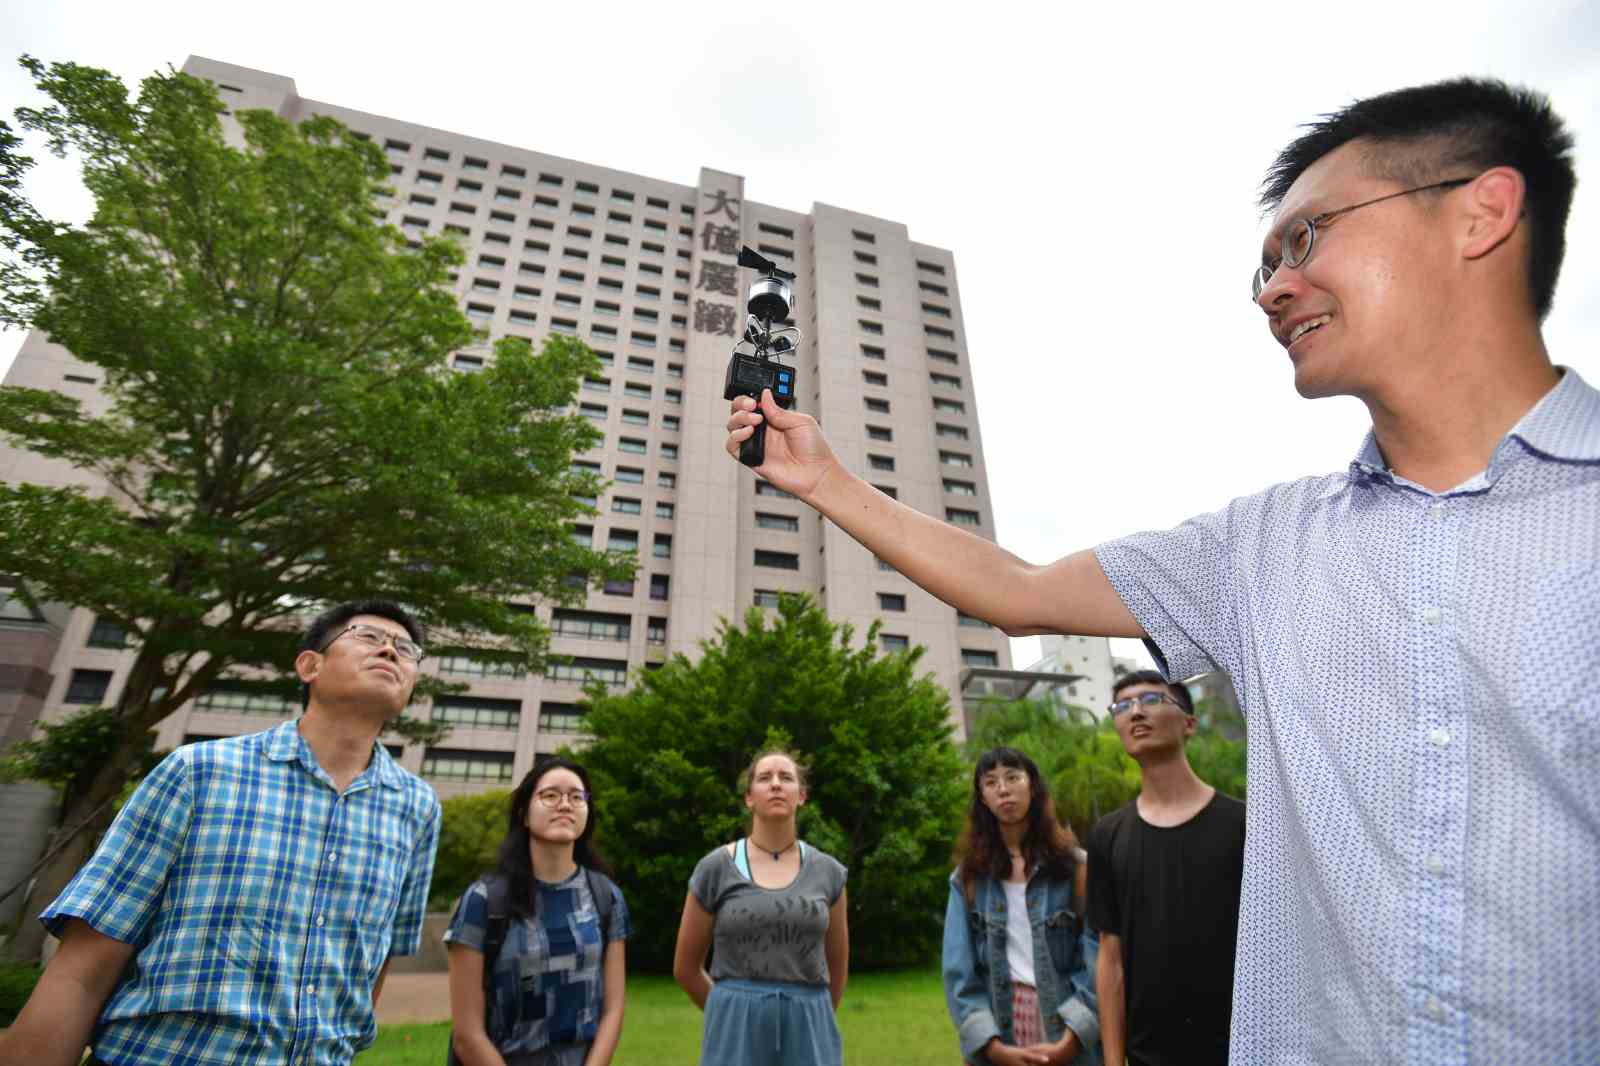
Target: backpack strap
column 498, row 891
column 600, row 889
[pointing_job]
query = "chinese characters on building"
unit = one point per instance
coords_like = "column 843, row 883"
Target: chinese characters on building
column 718, row 238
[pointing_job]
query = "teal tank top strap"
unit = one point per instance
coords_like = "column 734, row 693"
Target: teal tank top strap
column 741, row 860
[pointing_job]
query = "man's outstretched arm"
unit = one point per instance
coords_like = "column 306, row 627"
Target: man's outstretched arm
column 971, row 574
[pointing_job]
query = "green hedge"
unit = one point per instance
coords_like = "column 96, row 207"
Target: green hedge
column 16, row 985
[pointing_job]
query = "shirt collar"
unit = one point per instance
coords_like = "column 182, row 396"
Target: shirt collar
column 285, row 744
column 1564, row 424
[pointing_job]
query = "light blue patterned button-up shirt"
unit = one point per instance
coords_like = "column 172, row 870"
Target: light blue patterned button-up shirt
column 1420, row 674
column 261, row 902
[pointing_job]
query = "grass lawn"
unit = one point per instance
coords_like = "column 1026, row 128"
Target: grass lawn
column 886, row 1017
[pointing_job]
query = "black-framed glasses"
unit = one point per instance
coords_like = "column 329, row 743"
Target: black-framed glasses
column 373, row 637
column 1294, row 247
column 550, row 798
column 1147, row 700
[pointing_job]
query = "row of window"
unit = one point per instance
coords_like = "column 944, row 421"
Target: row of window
column 875, row 328
column 947, row 458
column 509, row 172
column 878, row 354
column 880, row 379
column 513, row 198
column 622, row 540
column 625, row 475
column 500, row 245
column 636, row 389
column 484, row 288
column 599, row 412
column 872, row 303
column 866, row 258
column 571, row 278
column 414, row 227
column 881, row 406
column 528, row 294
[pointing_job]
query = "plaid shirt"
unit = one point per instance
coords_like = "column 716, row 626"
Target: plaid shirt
column 262, row 903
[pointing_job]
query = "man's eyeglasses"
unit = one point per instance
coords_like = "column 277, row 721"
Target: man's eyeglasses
column 550, row 798
column 373, row 637
column 1147, row 700
column 1294, row 247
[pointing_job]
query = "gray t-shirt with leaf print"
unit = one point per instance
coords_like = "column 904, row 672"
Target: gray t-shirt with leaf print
column 769, row 934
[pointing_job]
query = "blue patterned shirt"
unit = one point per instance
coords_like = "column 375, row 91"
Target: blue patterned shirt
column 1420, row 674
column 548, row 983
column 261, row 903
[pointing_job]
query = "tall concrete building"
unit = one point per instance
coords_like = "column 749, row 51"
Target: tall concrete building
column 1089, row 658
column 643, row 270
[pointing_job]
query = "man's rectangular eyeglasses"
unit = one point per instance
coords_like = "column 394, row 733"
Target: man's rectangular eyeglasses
column 373, row 637
column 551, row 798
column 1294, row 247
column 1147, row 700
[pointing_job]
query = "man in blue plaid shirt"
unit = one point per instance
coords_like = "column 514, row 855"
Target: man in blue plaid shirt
column 258, row 885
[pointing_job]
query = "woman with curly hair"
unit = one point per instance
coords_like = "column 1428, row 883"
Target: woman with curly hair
column 1018, row 960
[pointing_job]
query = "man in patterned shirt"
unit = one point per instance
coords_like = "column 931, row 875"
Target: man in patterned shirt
column 257, row 885
column 1413, row 639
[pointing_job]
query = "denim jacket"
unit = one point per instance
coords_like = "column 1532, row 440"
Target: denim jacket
column 977, row 981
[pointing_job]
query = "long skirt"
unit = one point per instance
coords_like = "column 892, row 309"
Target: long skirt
column 770, row 1023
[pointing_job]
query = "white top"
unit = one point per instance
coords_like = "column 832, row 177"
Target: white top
column 1019, row 934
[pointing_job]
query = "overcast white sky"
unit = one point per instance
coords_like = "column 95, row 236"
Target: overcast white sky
column 1092, row 167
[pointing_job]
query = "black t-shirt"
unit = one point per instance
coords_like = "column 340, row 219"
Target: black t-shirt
column 1172, row 895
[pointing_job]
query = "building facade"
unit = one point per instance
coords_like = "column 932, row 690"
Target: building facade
column 1090, row 659
column 643, row 270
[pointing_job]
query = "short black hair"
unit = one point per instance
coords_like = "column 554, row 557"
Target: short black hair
column 323, row 626
column 1455, row 129
column 1180, row 692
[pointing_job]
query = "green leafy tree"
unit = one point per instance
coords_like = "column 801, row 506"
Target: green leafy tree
column 470, row 831
column 1088, row 771
column 885, row 776
column 279, row 429
column 1090, row 774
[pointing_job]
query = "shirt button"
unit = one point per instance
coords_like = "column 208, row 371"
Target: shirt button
column 1440, row 737
column 1435, row 865
column 1435, row 1008
column 1437, row 511
column 321, row 919
column 1432, row 615
column 333, row 856
column 311, row 990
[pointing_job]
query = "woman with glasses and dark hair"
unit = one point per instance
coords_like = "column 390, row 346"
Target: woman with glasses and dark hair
column 1018, row 960
column 773, row 908
column 536, row 948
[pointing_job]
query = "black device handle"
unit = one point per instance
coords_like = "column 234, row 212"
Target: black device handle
column 753, row 449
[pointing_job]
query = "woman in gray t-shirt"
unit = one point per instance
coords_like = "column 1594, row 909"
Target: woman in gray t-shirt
column 773, row 910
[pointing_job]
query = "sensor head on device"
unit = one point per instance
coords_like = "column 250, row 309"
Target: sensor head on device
column 771, row 297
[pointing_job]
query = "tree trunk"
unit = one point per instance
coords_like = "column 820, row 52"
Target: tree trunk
column 28, row 943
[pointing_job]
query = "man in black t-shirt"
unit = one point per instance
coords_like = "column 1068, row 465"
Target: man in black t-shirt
column 1164, row 877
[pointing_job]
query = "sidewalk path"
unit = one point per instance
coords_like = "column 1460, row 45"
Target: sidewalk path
column 414, row 997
